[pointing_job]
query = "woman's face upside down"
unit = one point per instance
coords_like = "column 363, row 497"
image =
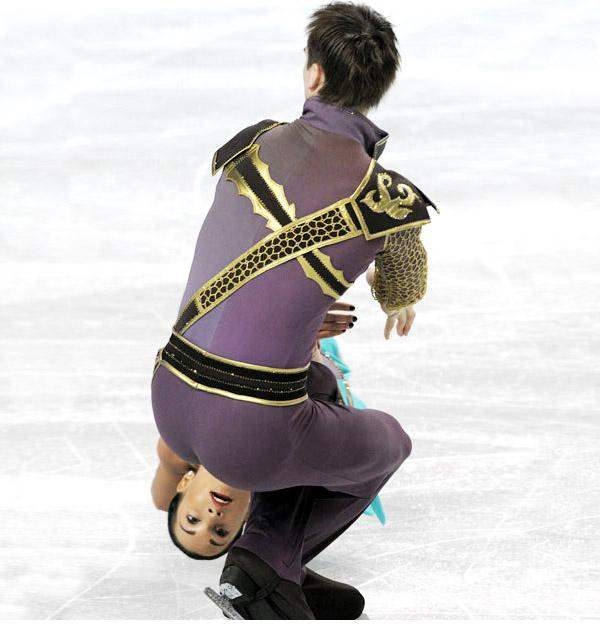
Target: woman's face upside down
column 210, row 512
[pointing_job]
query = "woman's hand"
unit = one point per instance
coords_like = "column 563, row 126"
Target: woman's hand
column 337, row 320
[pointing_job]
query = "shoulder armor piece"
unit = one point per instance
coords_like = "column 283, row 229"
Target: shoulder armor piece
column 386, row 202
column 240, row 143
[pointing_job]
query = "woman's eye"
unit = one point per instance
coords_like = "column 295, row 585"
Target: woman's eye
column 191, row 519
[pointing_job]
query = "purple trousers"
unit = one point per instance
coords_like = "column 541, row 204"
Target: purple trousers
column 313, row 468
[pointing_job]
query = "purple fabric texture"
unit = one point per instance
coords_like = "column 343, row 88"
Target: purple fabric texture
column 315, row 466
column 273, row 320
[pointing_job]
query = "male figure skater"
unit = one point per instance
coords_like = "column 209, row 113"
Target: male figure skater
column 300, row 211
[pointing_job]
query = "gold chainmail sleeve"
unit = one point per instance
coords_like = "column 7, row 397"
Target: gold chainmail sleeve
column 400, row 270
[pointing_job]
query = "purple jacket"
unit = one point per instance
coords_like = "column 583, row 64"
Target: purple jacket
column 273, row 320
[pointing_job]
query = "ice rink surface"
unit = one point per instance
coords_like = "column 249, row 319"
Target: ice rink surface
column 108, row 118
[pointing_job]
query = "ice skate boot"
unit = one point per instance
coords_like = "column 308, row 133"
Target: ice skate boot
column 331, row 600
column 249, row 589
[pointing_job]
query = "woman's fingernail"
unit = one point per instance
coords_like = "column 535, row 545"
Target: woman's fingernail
column 352, row 308
column 351, row 325
column 354, row 318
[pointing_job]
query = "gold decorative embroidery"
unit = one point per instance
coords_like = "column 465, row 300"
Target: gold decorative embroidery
column 312, row 274
column 244, row 188
column 400, row 270
column 231, row 395
column 234, row 175
column 396, row 207
column 337, row 273
column 324, row 227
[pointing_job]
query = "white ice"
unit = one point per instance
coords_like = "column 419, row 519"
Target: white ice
column 109, row 113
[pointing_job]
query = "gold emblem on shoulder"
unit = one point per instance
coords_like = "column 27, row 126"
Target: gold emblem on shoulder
column 396, row 207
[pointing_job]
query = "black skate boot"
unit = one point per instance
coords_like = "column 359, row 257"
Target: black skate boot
column 249, row 589
column 331, row 600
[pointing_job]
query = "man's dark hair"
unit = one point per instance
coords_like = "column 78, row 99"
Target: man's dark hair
column 356, row 47
column 172, row 514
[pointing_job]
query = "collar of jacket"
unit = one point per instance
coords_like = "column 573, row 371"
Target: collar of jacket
column 346, row 121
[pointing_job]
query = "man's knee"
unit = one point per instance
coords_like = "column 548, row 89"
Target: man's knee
column 402, row 445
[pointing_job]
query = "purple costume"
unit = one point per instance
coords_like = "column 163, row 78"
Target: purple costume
column 313, row 466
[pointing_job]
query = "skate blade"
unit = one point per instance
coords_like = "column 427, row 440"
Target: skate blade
column 223, row 603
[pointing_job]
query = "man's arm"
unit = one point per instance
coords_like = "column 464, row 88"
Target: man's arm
column 399, row 278
column 170, row 469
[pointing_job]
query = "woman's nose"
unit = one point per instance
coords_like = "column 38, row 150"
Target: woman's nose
column 212, row 511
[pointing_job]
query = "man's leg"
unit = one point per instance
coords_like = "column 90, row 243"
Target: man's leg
column 356, row 452
column 343, row 457
column 264, row 591
column 330, row 599
column 288, row 528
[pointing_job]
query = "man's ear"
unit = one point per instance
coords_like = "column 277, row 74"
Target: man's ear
column 315, row 78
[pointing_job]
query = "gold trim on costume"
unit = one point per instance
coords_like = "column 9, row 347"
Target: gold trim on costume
column 156, row 364
column 320, row 227
column 337, row 273
column 397, row 228
column 358, row 212
column 315, row 277
column 277, row 189
column 220, row 358
column 377, row 145
column 397, row 207
column 231, row 395
column 273, row 223
column 251, row 142
column 364, row 181
column 243, row 188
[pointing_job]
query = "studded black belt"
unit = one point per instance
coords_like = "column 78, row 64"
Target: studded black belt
column 238, row 380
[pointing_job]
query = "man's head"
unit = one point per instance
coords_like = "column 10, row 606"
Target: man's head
column 351, row 55
column 206, row 515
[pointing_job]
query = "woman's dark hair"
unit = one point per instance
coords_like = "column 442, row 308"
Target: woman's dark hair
column 172, row 514
column 356, row 47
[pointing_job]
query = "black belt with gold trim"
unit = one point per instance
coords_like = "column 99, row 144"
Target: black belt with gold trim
column 238, row 380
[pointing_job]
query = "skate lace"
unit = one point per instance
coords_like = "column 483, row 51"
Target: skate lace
column 259, row 595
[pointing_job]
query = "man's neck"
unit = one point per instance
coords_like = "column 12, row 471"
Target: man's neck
column 348, row 121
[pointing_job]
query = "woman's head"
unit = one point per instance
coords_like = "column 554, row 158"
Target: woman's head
column 206, row 515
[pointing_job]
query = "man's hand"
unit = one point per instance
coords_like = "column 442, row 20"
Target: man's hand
column 402, row 320
column 337, row 320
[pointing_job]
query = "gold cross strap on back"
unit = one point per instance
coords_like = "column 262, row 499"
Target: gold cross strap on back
column 373, row 210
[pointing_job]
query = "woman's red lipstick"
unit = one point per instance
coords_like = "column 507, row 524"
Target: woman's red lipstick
column 221, row 500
